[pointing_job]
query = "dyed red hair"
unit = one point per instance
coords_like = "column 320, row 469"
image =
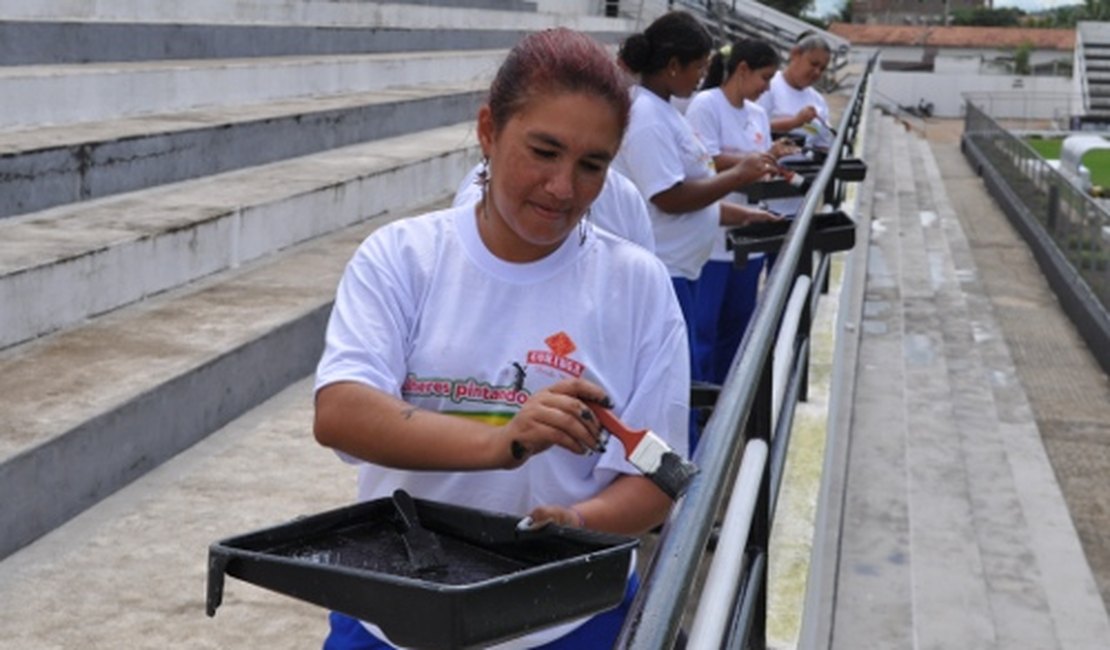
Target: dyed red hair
column 557, row 60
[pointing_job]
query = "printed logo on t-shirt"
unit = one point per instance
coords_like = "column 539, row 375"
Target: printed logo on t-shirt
column 463, row 390
column 560, row 347
column 505, row 390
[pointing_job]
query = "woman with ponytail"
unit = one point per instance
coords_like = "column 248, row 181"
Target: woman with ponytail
column 669, row 164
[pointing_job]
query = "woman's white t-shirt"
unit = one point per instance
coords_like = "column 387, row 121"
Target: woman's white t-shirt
column 726, row 129
column 660, row 151
column 783, row 100
column 424, row 312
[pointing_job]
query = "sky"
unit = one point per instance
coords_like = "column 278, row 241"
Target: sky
column 825, row 7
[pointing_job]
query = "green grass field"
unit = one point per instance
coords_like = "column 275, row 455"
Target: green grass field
column 1096, row 161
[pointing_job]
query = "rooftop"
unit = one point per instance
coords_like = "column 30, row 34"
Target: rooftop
column 955, row 36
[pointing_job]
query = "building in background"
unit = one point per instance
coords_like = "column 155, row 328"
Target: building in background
column 1017, row 72
column 910, row 12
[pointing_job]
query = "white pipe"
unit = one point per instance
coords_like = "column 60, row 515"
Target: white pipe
column 784, row 344
column 715, row 603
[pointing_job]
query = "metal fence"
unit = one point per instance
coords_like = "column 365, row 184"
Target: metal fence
column 1067, row 229
column 743, row 450
column 1022, row 109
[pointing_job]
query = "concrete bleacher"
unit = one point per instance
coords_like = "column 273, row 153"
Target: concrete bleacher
column 162, row 305
column 180, row 185
column 948, row 528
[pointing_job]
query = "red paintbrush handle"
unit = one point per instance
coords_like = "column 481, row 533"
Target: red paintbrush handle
column 613, row 425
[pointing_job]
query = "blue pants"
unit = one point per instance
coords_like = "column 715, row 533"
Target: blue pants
column 598, row 633
column 725, row 298
column 685, row 291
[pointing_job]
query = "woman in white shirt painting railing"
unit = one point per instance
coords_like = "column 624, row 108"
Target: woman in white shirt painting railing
column 465, row 344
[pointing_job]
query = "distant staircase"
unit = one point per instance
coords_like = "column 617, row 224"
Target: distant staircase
column 1093, row 70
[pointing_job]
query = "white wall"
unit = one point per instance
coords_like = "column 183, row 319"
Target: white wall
column 628, row 8
column 1006, row 96
column 860, row 54
column 589, row 7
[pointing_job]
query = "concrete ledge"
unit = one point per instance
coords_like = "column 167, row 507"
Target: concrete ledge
column 47, row 485
column 41, row 169
column 352, row 13
column 38, row 95
column 93, row 408
column 52, row 42
column 66, row 265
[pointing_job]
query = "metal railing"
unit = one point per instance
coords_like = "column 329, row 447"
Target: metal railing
column 742, row 452
column 1067, row 229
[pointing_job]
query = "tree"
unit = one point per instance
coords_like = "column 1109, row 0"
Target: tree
column 1096, row 9
column 983, row 17
column 845, row 13
column 1021, row 58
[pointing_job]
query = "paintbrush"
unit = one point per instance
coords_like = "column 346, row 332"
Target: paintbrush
column 649, row 453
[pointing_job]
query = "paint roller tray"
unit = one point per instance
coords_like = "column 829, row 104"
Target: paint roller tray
column 498, row 583
column 831, row 231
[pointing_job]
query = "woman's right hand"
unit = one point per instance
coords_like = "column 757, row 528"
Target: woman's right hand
column 805, row 116
column 751, row 168
column 554, row 416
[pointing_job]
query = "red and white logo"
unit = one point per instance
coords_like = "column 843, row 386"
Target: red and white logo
column 560, row 346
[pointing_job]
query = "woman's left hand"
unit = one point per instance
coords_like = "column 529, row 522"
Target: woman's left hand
column 784, row 147
column 734, row 215
column 757, row 215
column 559, row 515
column 630, row 505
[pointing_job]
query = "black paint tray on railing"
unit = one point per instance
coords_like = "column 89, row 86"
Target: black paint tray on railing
column 846, row 170
column 497, row 582
column 831, row 231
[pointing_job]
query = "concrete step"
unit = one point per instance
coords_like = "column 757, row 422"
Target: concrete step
column 130, row 571
column 63, row 265
column 92, row 408
column 49, row 166
column 61, row 94
column 36, row 42
column 951, row 599
column 872, row 605
column 444, row 14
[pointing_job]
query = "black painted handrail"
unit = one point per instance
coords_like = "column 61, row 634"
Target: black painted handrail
column 742, row 412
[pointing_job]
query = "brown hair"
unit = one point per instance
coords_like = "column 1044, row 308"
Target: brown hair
column 554, row 60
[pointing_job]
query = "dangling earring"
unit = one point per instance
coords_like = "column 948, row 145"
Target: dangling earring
column 482, row 181
column 584, row 226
